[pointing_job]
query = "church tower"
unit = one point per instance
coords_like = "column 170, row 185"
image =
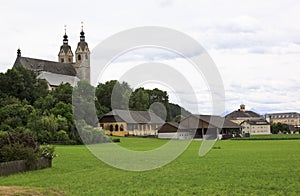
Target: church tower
column 65, row 54
column 82, row 55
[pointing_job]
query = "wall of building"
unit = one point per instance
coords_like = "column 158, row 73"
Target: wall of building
column 289, row 121
column 118, row 128
column 129, row 129
column 256, row 129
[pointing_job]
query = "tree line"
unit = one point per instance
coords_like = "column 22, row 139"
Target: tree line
column 27, row 106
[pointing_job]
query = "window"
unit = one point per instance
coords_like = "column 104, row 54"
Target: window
column 117, row 128
column 70, row 60
column 79, row 57
column 121, row 128
column 111, row 128
column 86, row 57
column 62, row 60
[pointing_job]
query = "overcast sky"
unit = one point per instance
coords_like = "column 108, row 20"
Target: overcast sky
column 255, row 44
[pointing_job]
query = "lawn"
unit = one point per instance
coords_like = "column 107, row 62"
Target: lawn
column 272, row 137
column 233, row 168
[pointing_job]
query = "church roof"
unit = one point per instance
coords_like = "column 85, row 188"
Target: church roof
column 82, row 45
column 66, row 48
column 38, row 65
column 56, row 79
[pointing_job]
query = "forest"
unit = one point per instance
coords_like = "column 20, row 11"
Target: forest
column 27, row 106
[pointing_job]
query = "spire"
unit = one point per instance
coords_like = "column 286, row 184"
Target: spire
column 18, row 52
column 65, row 40
column 82, row 37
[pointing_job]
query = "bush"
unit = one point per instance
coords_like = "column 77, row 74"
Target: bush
column 62, row 136
column 116, row 140
column 17, row 152
column 20, row 146
column 47, row 152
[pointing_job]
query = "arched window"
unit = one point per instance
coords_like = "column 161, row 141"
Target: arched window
column 79, row 57
column 111, row 128
column 117, row 128
column 121, row 128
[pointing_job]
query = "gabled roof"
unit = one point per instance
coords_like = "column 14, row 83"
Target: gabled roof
column 172, row 124
column 216, row 121
column 56, row 79
column 242, row 114
column 38, row 65
column 256, row 122
column 133, row 117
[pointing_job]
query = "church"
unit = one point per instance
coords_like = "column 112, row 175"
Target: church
column 65, row 70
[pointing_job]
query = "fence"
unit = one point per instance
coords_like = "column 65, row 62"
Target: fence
column 14, row 167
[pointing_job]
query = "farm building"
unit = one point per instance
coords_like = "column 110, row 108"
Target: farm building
column 130, row 123
column 170, row 130
column 195, row 126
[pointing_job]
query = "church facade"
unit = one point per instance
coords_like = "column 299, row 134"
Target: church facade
column 68, row 69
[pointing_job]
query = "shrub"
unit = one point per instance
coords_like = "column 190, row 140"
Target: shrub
column 17, row 152
column 47, row 152
column 62, row 136
column 20, row 146
column 116, row 140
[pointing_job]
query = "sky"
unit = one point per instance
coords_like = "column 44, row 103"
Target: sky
column 254, row 44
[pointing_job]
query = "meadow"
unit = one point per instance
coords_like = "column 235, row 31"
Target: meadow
column 262, row 167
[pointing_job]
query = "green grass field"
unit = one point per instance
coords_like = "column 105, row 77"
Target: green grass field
column 235, row 168
column 272, row 137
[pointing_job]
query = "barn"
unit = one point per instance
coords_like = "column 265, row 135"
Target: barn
column 196, row 126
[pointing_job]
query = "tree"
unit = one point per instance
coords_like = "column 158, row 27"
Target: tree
column 63, row 93
column 15, row 115
column 84, row 103
column 22, row 83
column 279, row 127
column 112, row 95
column 159, row 96
column 139, row 100
column 177, row 112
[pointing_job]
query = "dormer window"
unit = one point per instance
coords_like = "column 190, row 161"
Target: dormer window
column 62, row 60
column 79, row 57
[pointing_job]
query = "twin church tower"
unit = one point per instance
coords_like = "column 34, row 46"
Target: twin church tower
column 82, row 56
column 66, row 69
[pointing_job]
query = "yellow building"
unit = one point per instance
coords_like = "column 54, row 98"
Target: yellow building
column 289, row 118
column 130, row 123
column 256, row 127
column 250, row 121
